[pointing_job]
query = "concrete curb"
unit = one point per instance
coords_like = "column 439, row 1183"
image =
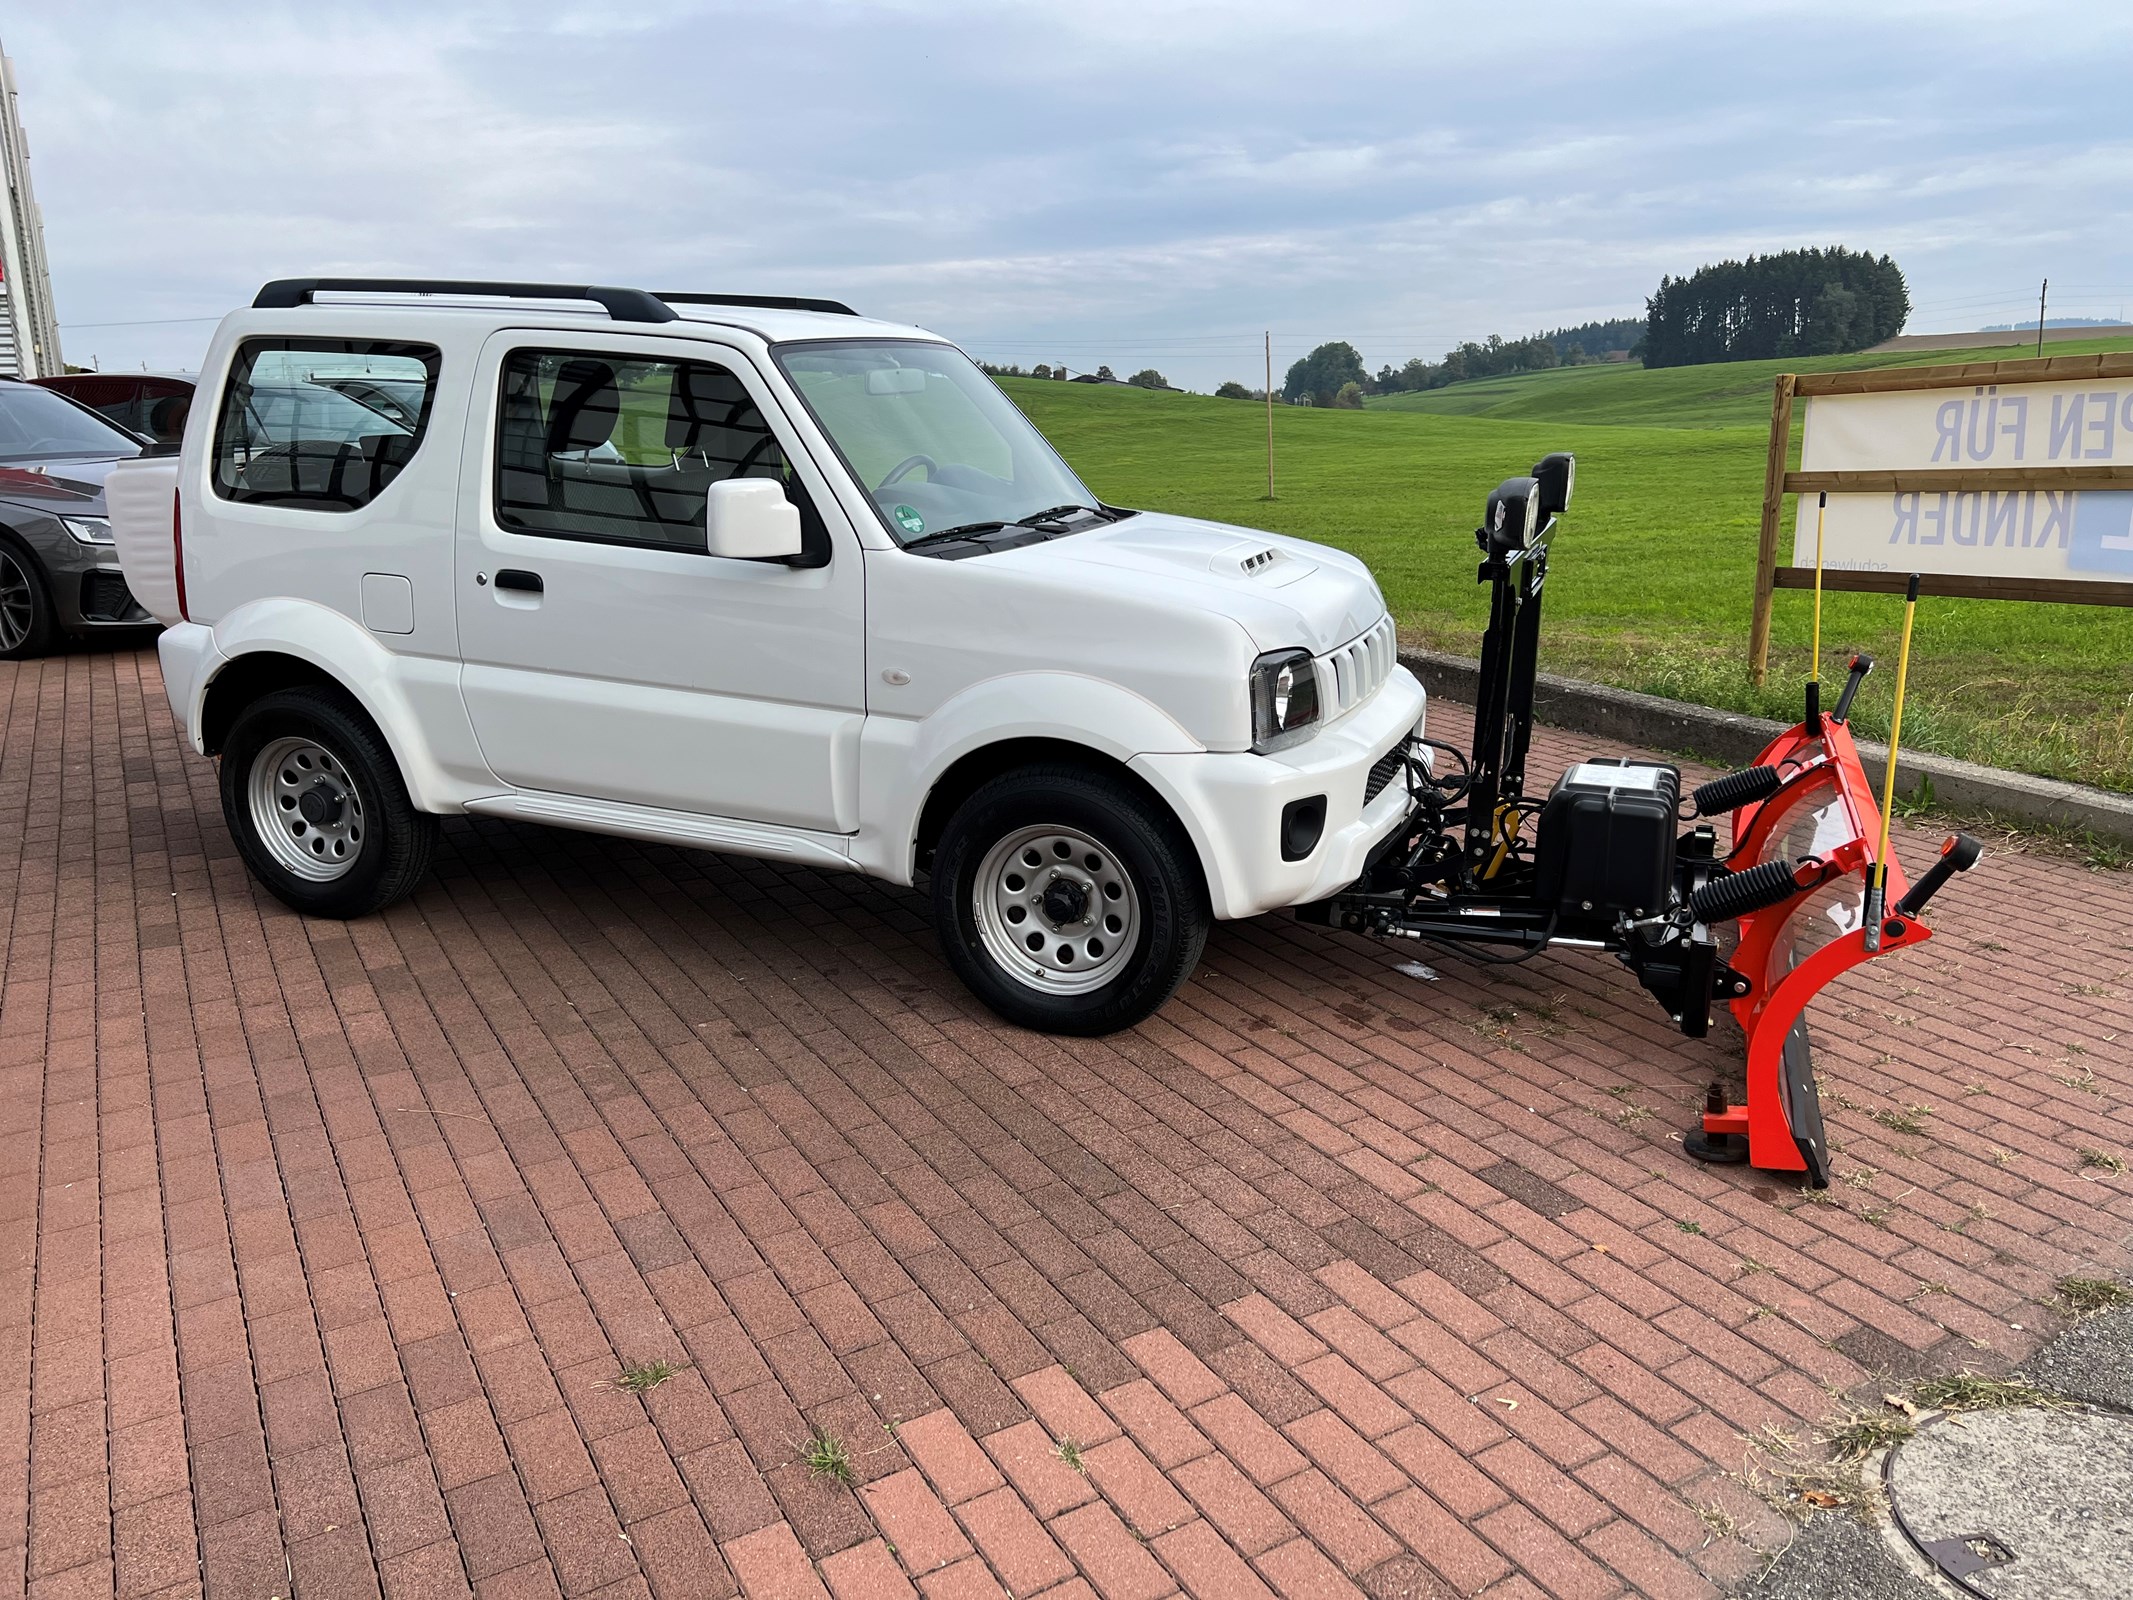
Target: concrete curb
column 1730, row 739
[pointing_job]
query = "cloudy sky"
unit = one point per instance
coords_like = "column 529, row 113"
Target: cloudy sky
column 1131, row 182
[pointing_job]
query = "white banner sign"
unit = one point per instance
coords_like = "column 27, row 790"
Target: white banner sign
column 2015, row 533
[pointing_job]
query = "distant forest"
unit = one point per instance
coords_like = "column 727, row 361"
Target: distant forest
column 1795, row 303
column 1498, row 356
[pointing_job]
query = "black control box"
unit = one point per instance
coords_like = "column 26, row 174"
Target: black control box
column 1606, row 841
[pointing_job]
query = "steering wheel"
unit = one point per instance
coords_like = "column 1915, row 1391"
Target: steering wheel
column 905, row 467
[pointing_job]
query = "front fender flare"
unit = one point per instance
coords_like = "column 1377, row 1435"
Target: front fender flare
column 902, row 761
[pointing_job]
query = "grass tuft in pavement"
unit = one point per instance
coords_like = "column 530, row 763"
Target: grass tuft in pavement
column 642, row 1377
column 1861, row 1434
column 2082, row 1297
column 826, row 1457
column 1969, row 1391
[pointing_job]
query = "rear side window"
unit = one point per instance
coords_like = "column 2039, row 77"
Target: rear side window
column 299, row 424
column 624, row 450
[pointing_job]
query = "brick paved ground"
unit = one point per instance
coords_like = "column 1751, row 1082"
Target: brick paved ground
column 321, row 1244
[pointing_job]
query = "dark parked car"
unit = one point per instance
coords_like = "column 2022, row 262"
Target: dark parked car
column 152, row 404
column 58, row 571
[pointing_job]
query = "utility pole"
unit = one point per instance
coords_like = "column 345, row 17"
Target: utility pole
column 2041, row 288
column 1270, row 413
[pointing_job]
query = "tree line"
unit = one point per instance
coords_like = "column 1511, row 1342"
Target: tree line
column 1334, row 374
column 1794, row 303
column 1146, row 378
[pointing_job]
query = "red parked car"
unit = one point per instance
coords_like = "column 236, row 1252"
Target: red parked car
column 151, row 404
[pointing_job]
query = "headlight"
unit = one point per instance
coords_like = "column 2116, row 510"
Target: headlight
column 1284, row 699
column 88, row 530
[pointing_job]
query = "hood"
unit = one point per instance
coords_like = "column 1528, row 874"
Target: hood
column 1283, row 592
column 58, row 487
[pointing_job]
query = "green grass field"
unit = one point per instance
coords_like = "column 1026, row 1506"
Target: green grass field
column 1654, row 568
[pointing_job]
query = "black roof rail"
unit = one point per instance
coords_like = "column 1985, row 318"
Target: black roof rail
column 624, row 305
column 767, row 302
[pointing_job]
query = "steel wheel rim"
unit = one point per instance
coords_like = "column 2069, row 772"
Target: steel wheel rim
column 1056, row 909
column 18, row 603
column 306, row 809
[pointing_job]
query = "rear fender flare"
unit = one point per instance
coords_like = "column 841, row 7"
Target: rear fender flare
column 348, row 655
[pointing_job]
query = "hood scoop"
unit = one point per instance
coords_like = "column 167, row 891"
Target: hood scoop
column 1266, row 563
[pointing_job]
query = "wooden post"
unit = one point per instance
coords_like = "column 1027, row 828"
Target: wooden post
column 1773, row 514
column 1270, row 414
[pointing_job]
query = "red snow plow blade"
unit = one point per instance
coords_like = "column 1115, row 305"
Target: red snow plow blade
column 1823, row 820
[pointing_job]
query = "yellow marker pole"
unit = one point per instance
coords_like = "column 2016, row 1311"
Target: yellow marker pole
column 1814, row 665
column 1877, row 891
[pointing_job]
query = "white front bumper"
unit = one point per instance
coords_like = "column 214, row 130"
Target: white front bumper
column 1231, row 804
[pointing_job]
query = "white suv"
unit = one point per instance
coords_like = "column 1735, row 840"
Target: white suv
column 758, row 576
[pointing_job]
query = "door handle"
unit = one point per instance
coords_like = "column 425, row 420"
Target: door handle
column 518, row 578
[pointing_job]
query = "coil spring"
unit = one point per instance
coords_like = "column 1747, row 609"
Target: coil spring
column 1738, row 893
column 1736, row 789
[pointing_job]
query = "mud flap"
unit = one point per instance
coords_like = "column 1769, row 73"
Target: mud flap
column 1803, row 1103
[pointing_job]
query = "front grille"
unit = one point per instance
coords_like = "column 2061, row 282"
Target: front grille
column 1387, row 768
column 1353, row 673
column 105, row 598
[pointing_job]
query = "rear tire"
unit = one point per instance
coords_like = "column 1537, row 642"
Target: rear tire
column 28, row 623
column 1068, row 900
column 317, row 807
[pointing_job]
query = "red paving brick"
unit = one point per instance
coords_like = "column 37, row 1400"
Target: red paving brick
column 324, row 1243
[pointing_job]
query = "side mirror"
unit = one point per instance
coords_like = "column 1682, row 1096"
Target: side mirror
column 749, row 519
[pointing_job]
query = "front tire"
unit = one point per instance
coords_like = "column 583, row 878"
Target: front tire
column 27, row 621
column 1068, row 900
column 317, row 807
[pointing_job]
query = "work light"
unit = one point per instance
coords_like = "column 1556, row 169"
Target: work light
column 1555, row 474
column 1512, row 515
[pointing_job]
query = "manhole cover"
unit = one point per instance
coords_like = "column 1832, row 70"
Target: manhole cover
column 2027, row 1504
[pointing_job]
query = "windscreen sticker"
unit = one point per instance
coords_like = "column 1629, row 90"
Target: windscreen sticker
column 909, row 520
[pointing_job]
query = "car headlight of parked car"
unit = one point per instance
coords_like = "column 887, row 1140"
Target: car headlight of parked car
column 88, row 530
column 1284, row 699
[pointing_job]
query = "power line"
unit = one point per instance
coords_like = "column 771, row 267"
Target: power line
column 146, row 322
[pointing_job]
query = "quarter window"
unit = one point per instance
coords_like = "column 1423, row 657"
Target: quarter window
column 625, row 450
column 291, row 432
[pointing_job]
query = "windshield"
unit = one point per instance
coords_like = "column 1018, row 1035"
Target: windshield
column 277, row 412
column 38, row 425
column 932, row 439
column 399, row 399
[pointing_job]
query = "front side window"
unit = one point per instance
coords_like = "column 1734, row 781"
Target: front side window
column 285, row 435
column 932, row 439
column 622, row 449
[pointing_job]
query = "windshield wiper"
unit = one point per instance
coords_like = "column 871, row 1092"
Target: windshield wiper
column 962, row 530
column 1054, row 513
column 1036, row 521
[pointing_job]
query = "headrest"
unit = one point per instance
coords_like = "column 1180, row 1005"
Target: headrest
column 584, row 407
column 705, row 397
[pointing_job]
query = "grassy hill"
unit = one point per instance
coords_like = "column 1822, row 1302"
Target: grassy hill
column 1655, row 567
column 1724, row 395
